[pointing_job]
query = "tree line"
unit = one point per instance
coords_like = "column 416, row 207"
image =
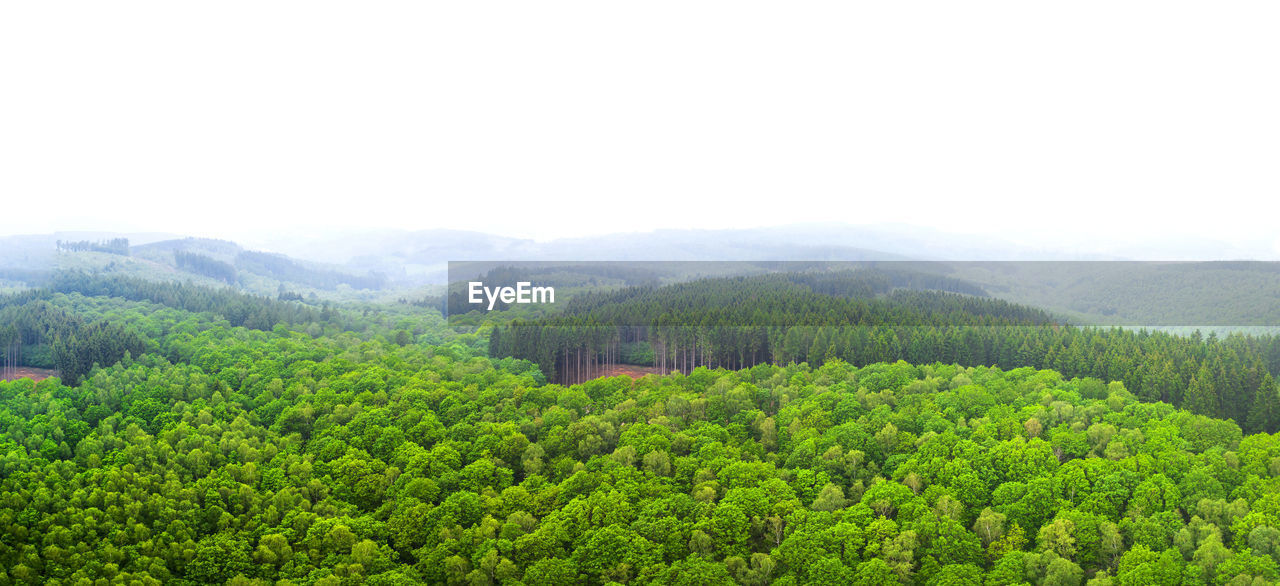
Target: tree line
column 272, row 457
column 278, row 266
column 118, row 246
column 742, row 322
column 40, row 334
column 240, row 309
column 63, row 327
column 205, row 265
column 737, row 322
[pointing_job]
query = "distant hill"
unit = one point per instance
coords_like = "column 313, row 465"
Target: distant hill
column 818, row 241
column 349, row 263
column 421, row 257
column 32, row 260
column 208, row 246
column 1222, row 293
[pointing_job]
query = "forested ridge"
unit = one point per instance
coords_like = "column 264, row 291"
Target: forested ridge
column 1224, row 293
column 238, row 308
column 865, row 297
column 687, row 289
column 375, row 446
column 205, row 265
column 286, row 269
column 45, row 334
column 739, row 321
column 564, row 277
column 780, row 319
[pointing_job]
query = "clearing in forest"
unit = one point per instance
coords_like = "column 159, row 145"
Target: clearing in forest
column 31, row 372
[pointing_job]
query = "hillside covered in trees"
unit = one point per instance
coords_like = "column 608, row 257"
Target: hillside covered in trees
column 349, row 446
column 33, row 261
column 864, row 317
column 1196, row 294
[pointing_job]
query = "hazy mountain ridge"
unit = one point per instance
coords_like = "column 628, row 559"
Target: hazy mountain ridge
column 30, row 260
column 403, row 264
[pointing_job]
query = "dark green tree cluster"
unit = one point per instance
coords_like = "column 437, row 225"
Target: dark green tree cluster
column 240, row 309
column 878, row 279
column 572, row 352
column 565, row 277
column 208, row 266
column 864, row 296
column 22, row 275
column 78, row 321
column 735, row 322
column 118, row 246
column 795, row 299
column 779, row 319
column 281, row 267
column 50, row 337
column 1196, row 294
column 574, row 274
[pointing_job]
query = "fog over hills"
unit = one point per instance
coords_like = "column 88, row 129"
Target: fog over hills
column 826, row 241
column 422, row 253
column 417, row 257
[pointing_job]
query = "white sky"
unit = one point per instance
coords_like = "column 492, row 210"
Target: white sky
column 1044, row 122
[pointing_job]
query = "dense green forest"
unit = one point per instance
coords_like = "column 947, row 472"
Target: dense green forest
column 238, row 308
column 596, row 285
column 256, row 441
column 863, row 319
column 44, row 335
column 286, row 269
column 208, row 266
column 1198, row 294
column 569, row 280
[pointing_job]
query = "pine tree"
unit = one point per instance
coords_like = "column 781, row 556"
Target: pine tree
column 1264, row 417
column 1201, row 397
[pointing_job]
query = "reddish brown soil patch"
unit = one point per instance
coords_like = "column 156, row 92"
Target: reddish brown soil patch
column 631, row 370
column 35, row 374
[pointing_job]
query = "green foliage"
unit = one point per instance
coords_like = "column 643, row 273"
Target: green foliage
column 858, row 318
column 280, row 267
column 225, row 454
column 63, row 340
column 638, row 353
column 205, row 265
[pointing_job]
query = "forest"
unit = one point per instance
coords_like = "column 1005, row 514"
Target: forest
column 740, row 322
column 286, row 269
column 118, row 246
column 205, row 265
column 241, row 439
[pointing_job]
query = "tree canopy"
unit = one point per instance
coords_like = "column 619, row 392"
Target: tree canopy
column 386, row 449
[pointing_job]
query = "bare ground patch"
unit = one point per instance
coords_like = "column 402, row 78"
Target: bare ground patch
column 31, row 372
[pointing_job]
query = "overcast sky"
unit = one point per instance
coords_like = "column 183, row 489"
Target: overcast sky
column 1044, row 122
